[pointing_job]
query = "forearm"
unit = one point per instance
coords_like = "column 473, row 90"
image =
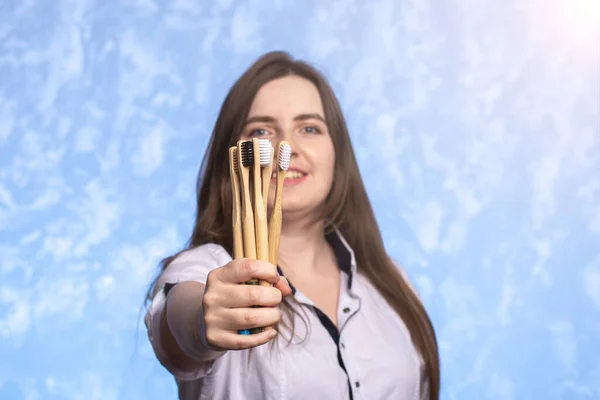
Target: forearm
column 181, row 328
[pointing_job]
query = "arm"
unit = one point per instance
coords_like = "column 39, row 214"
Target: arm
column 171, row 317
column 204, row 292
column 182, row 327
column 174, row 322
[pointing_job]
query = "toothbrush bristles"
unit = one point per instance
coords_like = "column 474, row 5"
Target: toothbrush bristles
column 264, row 146
column 285, row 154
column 234, row 157
column 247, row 154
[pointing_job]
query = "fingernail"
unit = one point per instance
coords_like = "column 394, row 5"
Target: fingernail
column 272, row 333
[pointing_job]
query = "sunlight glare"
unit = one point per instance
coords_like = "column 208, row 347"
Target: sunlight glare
column 582, row 18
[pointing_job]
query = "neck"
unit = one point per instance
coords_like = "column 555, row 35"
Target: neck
column 302, row 248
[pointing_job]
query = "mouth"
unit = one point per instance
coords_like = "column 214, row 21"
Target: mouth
column 291, row 176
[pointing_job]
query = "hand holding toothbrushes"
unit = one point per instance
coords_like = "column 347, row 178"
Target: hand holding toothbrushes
column 241, row 316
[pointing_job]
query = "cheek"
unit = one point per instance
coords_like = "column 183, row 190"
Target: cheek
column 330, row 170
column 328, row 165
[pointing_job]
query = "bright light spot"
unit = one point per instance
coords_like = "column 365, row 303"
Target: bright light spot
column 582, row 19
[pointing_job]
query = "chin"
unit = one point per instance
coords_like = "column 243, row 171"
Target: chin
column 295, row 208
column 300, row 208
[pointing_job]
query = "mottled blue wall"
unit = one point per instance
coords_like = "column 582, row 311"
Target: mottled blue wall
column 476, row 124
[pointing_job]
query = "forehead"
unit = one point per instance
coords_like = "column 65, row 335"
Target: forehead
column 287, row 96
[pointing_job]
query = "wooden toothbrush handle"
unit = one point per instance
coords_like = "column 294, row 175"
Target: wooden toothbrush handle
column 238, row 241
column 276, row 221
column 266, row 180
column 249, row 241
column 260, row 214
column 262, row 234
column 262, row 239
column 274, row 233
column 247, row 216
column 262, row 243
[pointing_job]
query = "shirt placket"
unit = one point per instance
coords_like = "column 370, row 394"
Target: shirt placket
column 349, row 305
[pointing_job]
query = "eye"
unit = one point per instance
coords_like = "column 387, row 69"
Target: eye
column 258, row 132
column 311, row 129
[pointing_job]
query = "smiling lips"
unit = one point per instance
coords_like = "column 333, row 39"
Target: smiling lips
column 292, row 176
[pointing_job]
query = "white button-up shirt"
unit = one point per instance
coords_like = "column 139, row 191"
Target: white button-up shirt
column 370, row 355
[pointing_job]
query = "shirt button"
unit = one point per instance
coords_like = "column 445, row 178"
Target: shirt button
column 343, row 345
column 346, row 310
column 357, row 384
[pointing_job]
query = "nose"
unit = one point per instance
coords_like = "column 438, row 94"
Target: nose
column 288, row 136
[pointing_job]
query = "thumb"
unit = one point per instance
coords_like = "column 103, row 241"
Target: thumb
column 284, row 286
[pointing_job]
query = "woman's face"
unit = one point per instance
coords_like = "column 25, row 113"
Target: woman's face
column 290, row 109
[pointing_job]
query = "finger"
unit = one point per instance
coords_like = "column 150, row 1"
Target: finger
column 236, row 319
column 241, row 295
column 242, row 270
column 234, row 341
column 284, row 286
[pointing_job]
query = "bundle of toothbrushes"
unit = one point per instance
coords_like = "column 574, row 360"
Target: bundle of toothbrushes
column 251, row 167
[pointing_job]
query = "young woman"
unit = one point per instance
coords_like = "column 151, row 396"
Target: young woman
column 349, row 325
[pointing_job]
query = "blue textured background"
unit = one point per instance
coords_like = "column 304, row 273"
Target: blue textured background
column 476, row 124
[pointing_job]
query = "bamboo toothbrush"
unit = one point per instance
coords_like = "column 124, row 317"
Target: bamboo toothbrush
column 284, row 154
column 238, row 250
column 267, row 170
column 245, row 159
column 262, row 157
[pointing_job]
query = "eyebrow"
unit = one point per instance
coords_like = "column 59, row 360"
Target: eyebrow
column 270, row 120
column 304, row 117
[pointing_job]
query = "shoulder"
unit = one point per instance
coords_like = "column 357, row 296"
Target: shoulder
column 194, row 264
column 206, row 254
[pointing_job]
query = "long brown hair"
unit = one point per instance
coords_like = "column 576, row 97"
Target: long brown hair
column 347, row 206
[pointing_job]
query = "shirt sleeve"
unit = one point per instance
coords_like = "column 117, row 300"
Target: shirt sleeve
column 191, row 265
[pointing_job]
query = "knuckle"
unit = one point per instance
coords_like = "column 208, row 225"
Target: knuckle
column 254, row 294
column 248, row 266
column 209, row 320
column 249, row 317
column 209, row 299
column 211, row 278
column 211, row 337
column 211, row 275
